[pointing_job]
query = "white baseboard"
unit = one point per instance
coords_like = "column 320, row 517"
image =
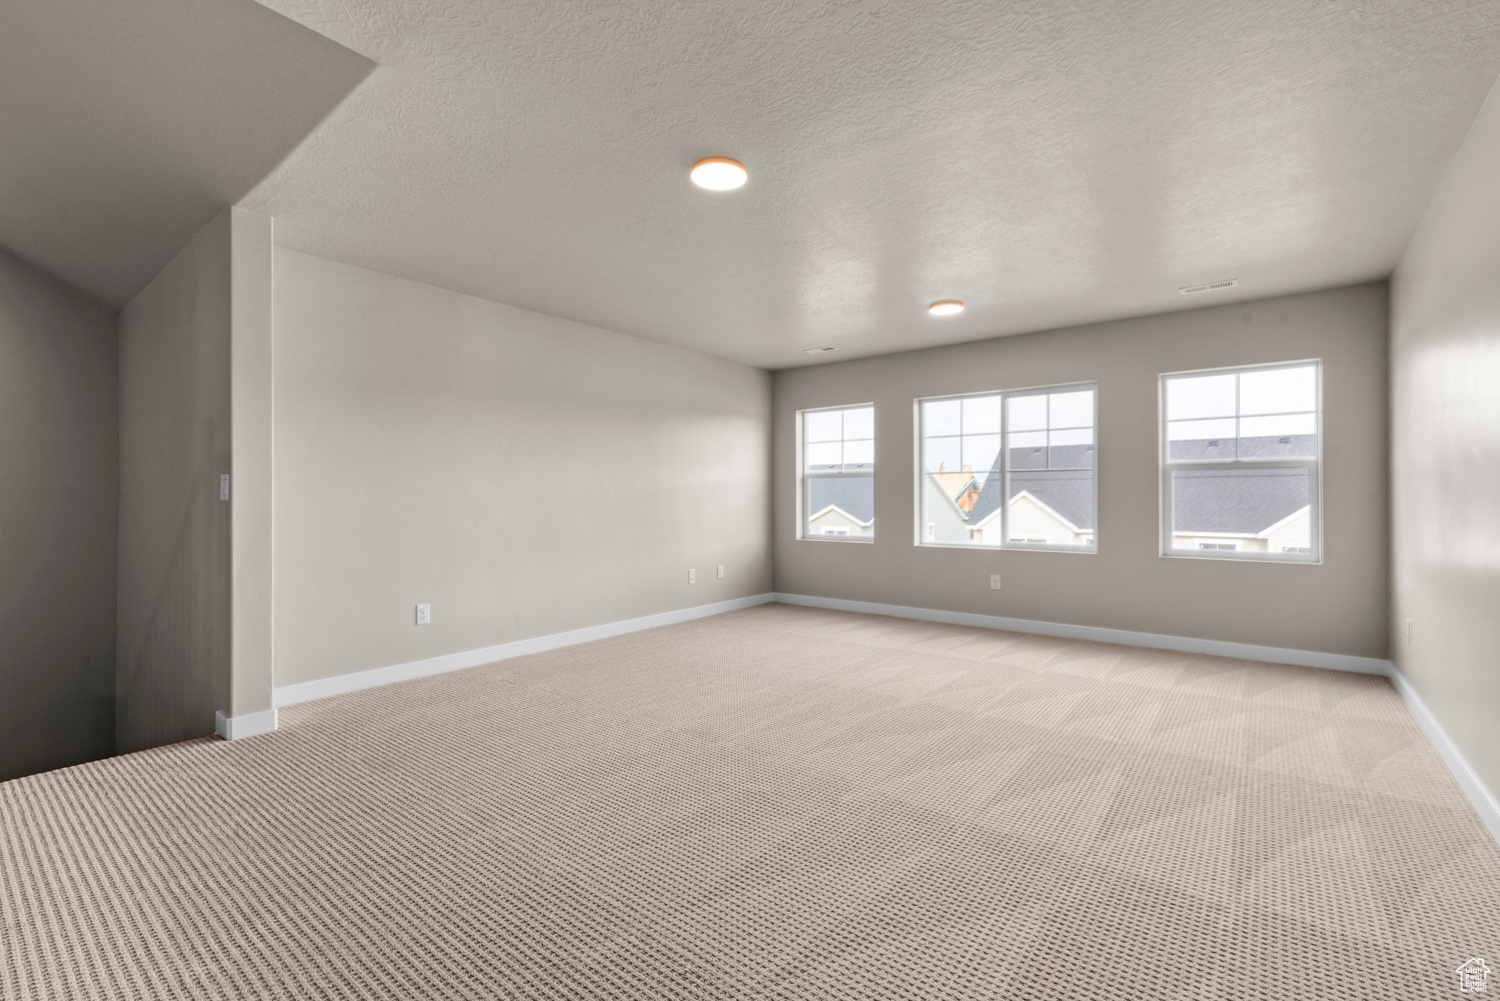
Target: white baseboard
column 1126, row 637
column 306, row 691
column 248, row 725
column 1474, row 789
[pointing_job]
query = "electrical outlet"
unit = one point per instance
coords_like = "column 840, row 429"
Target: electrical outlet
column 721, row 571
column 994, row 582
column 223, row 486
column 692, row 576
column 424, row 615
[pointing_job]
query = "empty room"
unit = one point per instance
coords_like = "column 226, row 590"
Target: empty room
column 840, row 500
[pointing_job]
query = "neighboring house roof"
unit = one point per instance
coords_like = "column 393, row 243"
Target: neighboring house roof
column 1266, row 533
column 839, row 510
column 955, row 483
column 854, row 495
column 952, row 503
column 1259, row 447
column 1055, row 458
column 1069, row 492
column 1243, row 501
column 1061, row 519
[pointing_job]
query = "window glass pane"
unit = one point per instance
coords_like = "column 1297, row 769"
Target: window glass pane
column 823, row 425
column 824, row 455
column 946, row 508
column 1027, row 450
column 859, row 455
column 1200, row 396
column 1220, row 503
column 1200, row 439
column 859, row 422
column 941, row 455
column 1291, row 435
column 839, row 507
column 967, row 493
column 1072, row 410
column 1195, row 430
column 1279, row 390
column 985, row 519
column 982, row 416
column 1288, row 446
column 1071, row 436
column 1281, row 424
column 838, row 485
column 1071, row 449
column 1246, row 509
column 1051, row 507
column 1026, row 413
column 940, row 417
column 981, row 452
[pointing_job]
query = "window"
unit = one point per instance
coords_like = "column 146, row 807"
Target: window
column 1240, row 454
column 838, row 473
column 1009, row 469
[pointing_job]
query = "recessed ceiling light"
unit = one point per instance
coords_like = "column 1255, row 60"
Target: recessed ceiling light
column 817, row 351
column 719, row 173
column 947, row 307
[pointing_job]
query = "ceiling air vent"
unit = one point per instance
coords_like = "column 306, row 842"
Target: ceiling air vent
column 1210, row 287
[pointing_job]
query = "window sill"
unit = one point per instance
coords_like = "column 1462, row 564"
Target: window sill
column 1074, row 550
column 1225, row 557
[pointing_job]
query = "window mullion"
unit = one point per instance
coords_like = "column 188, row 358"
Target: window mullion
column 1237, row 414
column 1287, row 462
column 1004, row 472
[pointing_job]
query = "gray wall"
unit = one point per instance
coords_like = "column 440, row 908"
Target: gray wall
column 174, row 548
column 1445, row 417
column 59, row 470
column 1339, row 606
column 251, row 418
column 523, row 474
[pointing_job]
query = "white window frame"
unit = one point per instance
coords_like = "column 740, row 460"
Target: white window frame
column 803, row 535
column 1005, row 541
column 1314, row 465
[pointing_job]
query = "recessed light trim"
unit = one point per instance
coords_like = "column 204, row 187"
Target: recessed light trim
column 719, row 173
column 947, row 307
column 817, row 351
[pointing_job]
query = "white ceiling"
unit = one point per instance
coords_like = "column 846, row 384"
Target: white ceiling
column 127, row 125
column 1049, row 162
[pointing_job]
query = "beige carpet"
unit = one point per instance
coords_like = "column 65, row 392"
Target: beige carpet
column 776, row 803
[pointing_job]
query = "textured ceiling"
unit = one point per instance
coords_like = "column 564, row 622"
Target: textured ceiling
column 127, row 126
column 1050, row 162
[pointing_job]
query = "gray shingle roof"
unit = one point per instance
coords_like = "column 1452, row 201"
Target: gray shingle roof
column 1240, row 501
column 1259, row 447
column 1069, row 492
column 855, row 495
